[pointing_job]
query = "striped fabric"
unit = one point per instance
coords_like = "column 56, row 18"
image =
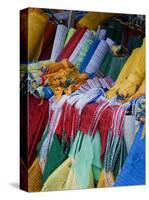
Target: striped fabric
column 59, row 41
column 69, row 35
column 83, row 52
column 110, row 42
column 97, row 58
column 89, row 55
column 88, row 35
column 72, row 43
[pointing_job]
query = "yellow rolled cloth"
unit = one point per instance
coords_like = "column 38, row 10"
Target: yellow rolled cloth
column 132, row 72
column 37, row 22
column 93, row 19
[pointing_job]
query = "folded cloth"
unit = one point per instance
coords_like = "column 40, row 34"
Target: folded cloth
column 133, row 171
column 87, row 35
column 93, row 19
column 101, row 33
column 97, row 58
column 71, row 44
column 69, row 35
column 60, row 36
column 48, row 41
column 89, row 54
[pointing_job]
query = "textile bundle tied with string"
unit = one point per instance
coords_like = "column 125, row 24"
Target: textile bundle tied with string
column 84, row 80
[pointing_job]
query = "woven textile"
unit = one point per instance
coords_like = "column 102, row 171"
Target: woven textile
column 59, row 41
column 97, row 58
column 71, row 44
column 87, row 35
column 89, row 55
column 69, row 35
column 133, row 171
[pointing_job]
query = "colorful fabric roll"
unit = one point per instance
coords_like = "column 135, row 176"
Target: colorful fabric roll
column 101, row 33
column 88, row 35
column 110, row 42
column 69, row 35
column 71, row 44
column 48, row 41
column 83, row 52
column 133, row 171
column 89, row 55
column 59, row 41
column 97, row 58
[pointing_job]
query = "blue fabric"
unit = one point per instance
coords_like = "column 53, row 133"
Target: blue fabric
column 89, row 55
column 133, row 171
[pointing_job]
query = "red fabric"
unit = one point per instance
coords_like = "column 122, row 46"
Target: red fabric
column 38, row 118
column 48, row 41
column 72, row 43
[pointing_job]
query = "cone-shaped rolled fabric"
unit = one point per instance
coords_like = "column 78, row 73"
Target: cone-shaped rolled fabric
column 101, row 33
column 83, row 52
column 117, row 64
column 69, row 35
column 60, row 36
column 71, row 44
column 88, row 35
column 133, row 171
column 97, row 58
column 93, row 19
column 134, row 62
column 37, row 22
column 48, row 41
column 89, row 55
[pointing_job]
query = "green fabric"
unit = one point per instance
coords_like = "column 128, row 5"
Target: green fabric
column 55, row 157
column 134, row 42
column 105, row 66
column 97, row 164
column 83, row 52
column 116, row 66
column 69, row 35
column 82, row 165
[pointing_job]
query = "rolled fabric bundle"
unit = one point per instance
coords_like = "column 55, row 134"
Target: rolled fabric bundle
column 89, row 55
column 93, row 19
column 110, row 42
column 48, row 41
column 97, row 58
column 37, row 22
column 116, row 66
column 105, row 66
column 69, row 35
column 101, row 33
column 72, row 43
column 59, row 41
column 83, row 52
column 88, row 35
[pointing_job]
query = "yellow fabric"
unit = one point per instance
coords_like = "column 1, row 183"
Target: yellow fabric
column 58, row 74
column 131, row 76
column 106, row 179
column 140, row 91
column 37, row 22
column 34, row 177
column 58, row 178
column 93, row 19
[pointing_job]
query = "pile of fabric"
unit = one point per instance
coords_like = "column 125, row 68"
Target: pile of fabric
column 86, row 91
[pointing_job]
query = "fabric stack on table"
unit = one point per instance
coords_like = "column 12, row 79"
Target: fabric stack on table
column 86, row 88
